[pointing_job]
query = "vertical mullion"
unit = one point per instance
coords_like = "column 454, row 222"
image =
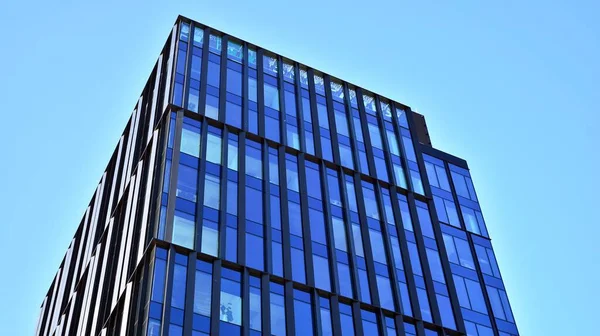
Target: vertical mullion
column 299, row 110
column 215, row 302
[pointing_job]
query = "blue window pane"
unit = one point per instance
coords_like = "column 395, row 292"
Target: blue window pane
column 183, row 230
column 339, row 233
column 346, row 156
column 277, row 255
column 202, row 293
column 303, row 318
column 295, row 219
column 375, row 136
column 232, row 196
column 210, row 238
column 190, row 141
column 347, row 323
column 231, row 244
column 357, row 238
column 213, row 148
column 377, row 246
column 386, row 298
column 317, row 226
column 414, row 258
column 341, row 123
column 255, row 308
column 435, row 266
column 290, row 103
column 178, row 291
column 234, row 82
column 212, row 191
column 253, row 162
column 326, row 329
column 424, row 304
column 233, row 114
column 252, row 89
column 271, row 95
column 212, row 107
column 370, row 328
column 475, row 296
column 277, row 307
column 187, row 181
column 323, row 116
column 231, row 302
column 446, row 311
column 254, row 251
column 345, row 280
column 321, row 271
column 158, row 284
column 298, row 271
column 153, row 327
column 213, row 77
column 365, row 293
column 254, row 205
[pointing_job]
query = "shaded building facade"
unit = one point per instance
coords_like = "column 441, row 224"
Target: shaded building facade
column 250, row 194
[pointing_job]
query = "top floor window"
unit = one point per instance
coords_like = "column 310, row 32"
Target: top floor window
column 402, row 120
column 319, row 84
column 184, row 34
column 369, row 102
column 235, row 51
column 337, row 90
column 270, row 64
column 386, row 110
column 252, row 58
column 288, row 72
column 463, row 183
column 214, row 44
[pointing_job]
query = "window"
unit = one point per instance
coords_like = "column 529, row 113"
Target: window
column 254, row 251
column 386, row 297
column 214, row 43
column 232, row 152
column 321, row 266
column 271, row 95
column 231, row 298
column 252, row 89
column 436, row 174
column 253, row 159
column 212, row 192
column 323, row 116
column 463, row 185
column 424, row 304
column 446, row 211
column 437, row 273
column 474, row 221
column 341, row 123
column 346, row 320
column 210, row 237
column 369, row 323
column 458, row 251
column 487, row 261
column 277, row 305
column 202, row 296
column 326, row 329
column 187, row 180
column 377, row 246
column 234, row 82
column 500, row 305
column 190, row 140
column 424, row 219
column 298, row 271
column 469, row 294
column 339, row 233
column 302, row 313
column 183, row 229
column 213, row 148
column 213, row 77
column 255, row 304
column 392, row 142
column 375, row 136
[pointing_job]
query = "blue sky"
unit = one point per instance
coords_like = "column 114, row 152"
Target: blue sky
column 511, row 87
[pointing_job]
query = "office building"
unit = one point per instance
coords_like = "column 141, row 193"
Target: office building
column 250, row 194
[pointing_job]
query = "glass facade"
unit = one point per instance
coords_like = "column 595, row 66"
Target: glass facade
column 291, row 202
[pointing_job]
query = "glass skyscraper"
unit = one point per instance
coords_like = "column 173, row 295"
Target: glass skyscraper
column 253, row 195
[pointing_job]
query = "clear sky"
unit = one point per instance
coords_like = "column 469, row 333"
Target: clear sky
column 511, row 87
